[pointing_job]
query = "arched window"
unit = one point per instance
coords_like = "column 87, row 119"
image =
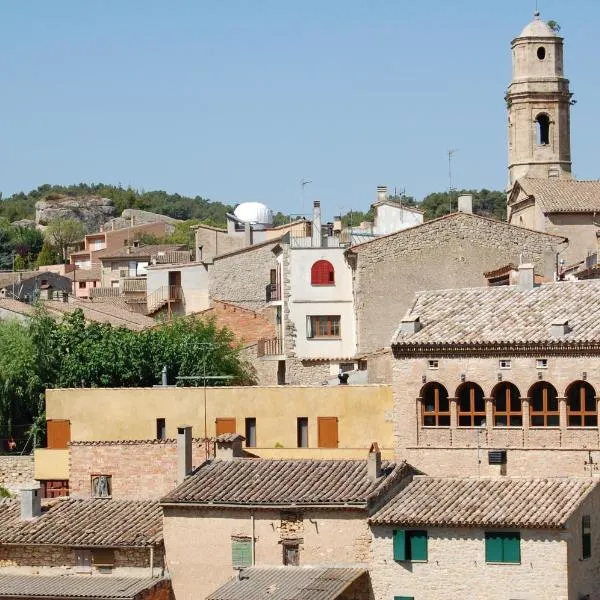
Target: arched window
column 322, row 273
column 435, row 406
column 542, row 129
column 471, row 405
column 543, row 405
column 581, row 405
column 508, row 411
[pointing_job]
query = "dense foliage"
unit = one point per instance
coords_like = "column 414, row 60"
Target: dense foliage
column 46, row 353
column 488, row 203
column 19, row 244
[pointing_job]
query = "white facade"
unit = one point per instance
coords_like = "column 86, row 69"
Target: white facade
column 334, row 300
column 391, row 217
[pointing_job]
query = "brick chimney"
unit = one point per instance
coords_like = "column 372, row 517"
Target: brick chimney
column 31, row 503
column 374, row 462
column 184, row 452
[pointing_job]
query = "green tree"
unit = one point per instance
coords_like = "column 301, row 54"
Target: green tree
column 485, row 202
column 47, row 256
column 20, row 263
column 63, row 233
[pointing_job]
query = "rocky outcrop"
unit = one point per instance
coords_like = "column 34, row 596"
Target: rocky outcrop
column 92, row 211
column 134, row 216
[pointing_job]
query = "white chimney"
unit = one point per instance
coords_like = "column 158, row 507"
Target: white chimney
column 559, row 327
column 381, row 193
column 465, row 203
column 374, row 462
column 526, row 276
column 316, row 225
column 184, row 452
column 31, row 503
column 247, row 234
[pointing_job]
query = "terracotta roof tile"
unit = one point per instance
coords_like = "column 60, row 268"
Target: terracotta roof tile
column 91, row 522
column 491, row 502
column 563, row 195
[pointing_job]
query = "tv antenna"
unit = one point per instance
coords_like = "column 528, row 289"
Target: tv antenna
column 303, row 184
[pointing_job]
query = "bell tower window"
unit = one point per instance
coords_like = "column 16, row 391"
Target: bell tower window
column 542, row 129
column 541, row 53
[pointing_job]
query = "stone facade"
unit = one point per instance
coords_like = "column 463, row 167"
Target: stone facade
column 333, row 537
column 16, row 472
column 305, row 372
column 449, row 252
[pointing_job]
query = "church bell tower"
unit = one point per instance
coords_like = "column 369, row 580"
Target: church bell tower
column 538, row 102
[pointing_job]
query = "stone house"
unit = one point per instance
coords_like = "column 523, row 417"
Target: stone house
column 495, row 538
column 272, row 513
column 118, row 542
column 500, row 378
column 30, row 286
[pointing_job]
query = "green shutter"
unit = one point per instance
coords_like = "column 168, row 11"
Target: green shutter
column 399, row 544
column 511, row 543
column 493, row 547
column 241, row 553
column 417, row 545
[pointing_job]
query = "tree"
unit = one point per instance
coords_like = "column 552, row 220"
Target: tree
column 63, row 233
column 47, row 256
column 485, row 202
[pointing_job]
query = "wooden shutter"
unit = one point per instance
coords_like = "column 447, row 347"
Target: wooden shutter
column 241, row 552
column 328, row 432
column 224, row 425
column 59, row 433
column 494, row 548
column 511, row 547
column 418, row 545
column 399, row 544
column 103, row 557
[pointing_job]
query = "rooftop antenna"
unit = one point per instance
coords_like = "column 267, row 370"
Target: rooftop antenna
column 303, row 184
column 450, row 155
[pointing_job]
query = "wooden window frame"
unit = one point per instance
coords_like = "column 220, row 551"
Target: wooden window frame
column 249, row 423
column 322, row 273
column 582, row 414
column 472, row 414
column 545, row 413
column 437, row 414
column 300, row 422
column 315, row 331
column 508, row 413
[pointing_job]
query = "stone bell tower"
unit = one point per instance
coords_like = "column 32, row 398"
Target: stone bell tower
column 538, row 102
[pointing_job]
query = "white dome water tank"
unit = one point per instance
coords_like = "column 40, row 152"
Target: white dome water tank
column 256, row 213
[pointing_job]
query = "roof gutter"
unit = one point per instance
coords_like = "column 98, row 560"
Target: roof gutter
column 345, row 505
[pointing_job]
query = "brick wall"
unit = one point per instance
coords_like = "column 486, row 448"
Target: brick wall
column 139, row 469
column 16, row 472
column 451, row 252
column 161, row 591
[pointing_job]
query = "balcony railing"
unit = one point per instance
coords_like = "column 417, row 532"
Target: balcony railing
column 273, row 292
column 269, row 347
column 105, row 292
column 133, row 284
column 165, row 295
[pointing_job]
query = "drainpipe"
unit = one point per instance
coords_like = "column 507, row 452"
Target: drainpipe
column 253, row 538
column 151, row 561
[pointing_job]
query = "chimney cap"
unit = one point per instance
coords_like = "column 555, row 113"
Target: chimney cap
column 374, row 448
column 317, row 203
column 229, row 438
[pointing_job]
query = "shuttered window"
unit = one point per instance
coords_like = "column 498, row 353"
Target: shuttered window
column 241, row 552
column 322, row 273
column 410, row 545
column 502, row 547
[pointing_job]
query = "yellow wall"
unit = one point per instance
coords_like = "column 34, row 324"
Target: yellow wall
column 51, row 464
column 364, row 412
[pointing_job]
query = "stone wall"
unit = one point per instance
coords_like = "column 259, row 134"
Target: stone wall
column 265, row 368
column 139, row 469
column 450, row 252
column 304, row 372
column 379, row 366
column 16, row 472
column 242, row 277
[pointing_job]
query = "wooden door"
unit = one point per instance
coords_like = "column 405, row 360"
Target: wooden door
column 59, row 433
column 224, row 425
column 328, row 432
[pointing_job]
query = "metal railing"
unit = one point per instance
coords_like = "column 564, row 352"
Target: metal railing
column 105, row 292
column 133, row 284
column 269, row 347
column 272, row 292
column 164, row 295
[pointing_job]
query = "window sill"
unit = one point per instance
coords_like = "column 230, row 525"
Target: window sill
column 410, row 561
column 323, row 284
column 436, row 426
column 582, row 427
column 504, row 427
column 503, row 563
column 329, row 337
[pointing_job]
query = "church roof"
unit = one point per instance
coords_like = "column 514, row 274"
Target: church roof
column 537, row 28
column 563, row 195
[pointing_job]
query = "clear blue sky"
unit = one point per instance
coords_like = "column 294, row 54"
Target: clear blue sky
column 238, row 100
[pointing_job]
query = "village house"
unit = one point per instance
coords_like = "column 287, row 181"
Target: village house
column 30, row 286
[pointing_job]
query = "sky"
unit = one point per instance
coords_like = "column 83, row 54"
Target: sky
column 241, row 100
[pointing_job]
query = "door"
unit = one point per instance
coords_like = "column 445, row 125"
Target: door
column 59, row 433
column 174, row 284
column 224, row 425
column 328, row 432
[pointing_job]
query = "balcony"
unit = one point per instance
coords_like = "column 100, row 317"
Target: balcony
column 105, row 292
column 273, row 292
column 133, row 285
column 269, row 347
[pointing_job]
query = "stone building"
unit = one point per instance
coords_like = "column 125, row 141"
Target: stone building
column 500, row 379
column 495, row 538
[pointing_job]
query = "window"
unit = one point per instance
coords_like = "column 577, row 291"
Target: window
column 433, row 364
column 435, row 406
column 291, row 553
column 241, row 552
column 471, row 406
column 161, row 429
column 507, row 406
column 82, row 285
column 586, row 536
column 543, row 129
column 543, row 406
column 541, row 53
column 581, row 405
column 322, row 273
column 302, row 432
column 103, row 559
column 251, row 432
column 541, row 363
column 83, row 561
column 323, row 326
column 410, row 545
column 502, row 547
column 224, row 425
column 101, row 486
column 504, row 363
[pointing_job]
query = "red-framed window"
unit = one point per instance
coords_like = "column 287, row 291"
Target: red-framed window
column 322, row 273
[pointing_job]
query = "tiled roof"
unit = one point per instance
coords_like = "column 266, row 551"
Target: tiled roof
column 74, row 586
column 91, row 522
column 285, row 583
column 491, row 502
column 505, row 314
column 16, row 306
column 282, row 482
column 7, row 278
column 136, row 252
column 563, row 195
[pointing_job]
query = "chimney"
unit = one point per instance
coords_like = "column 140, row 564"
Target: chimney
column 526, row 277
column 410, row 324
column 164, row 377
column 337, row 224
column 374, row 462
column 184, row 452
column 465, row 203
column 381, row 193
column 31, row 503
column 559, row 327
column 316, row 225
column 247, row 234
column 229, row 446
